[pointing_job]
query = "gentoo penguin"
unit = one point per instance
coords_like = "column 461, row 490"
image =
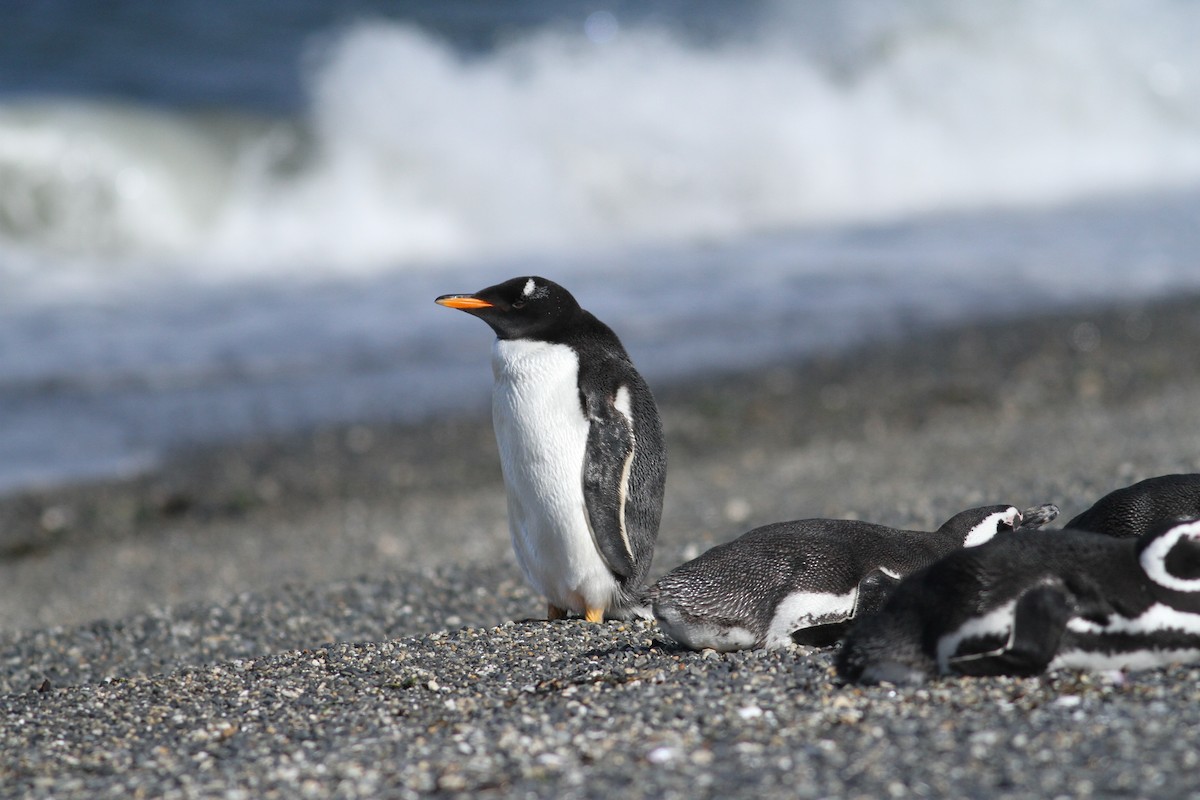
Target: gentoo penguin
column 1132, row 510
column 581, row 448
column 1023, row 604
column 803, row 581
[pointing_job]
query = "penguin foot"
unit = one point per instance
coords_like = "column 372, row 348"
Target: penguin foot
column 555, row 613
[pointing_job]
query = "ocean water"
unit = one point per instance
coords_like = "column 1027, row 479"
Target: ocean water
column 219, row 220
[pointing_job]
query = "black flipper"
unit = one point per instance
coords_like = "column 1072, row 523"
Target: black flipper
column 1039, row 620
column 873, row 591
column 606, row 465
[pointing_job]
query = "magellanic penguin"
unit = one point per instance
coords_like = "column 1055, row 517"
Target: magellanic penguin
column 581, row 448
column 803, row 581
column 1023, row 604
column 1131, row 511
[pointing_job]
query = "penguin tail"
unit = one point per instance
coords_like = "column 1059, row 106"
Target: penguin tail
column 633, row 604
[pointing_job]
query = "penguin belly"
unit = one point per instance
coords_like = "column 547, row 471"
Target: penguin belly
column 699, row 633
column 542, row 436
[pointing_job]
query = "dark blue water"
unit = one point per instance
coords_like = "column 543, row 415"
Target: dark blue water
column 251, row 54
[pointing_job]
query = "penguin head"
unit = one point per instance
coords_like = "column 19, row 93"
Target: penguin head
column 978, row 525
column 520, row 308
column 1169, row 554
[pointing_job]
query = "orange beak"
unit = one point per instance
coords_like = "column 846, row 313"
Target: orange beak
column 465, row 302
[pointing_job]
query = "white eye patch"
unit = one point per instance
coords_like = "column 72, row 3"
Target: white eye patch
column 532, row 291
column 1153, row 558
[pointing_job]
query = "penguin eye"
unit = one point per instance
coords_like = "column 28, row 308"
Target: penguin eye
column 518, row 304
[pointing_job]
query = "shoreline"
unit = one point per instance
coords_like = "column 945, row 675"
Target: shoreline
column 745, row 449
column 334, row 614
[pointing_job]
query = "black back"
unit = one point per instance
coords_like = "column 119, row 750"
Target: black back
column 745, row 579
column 1133, row 510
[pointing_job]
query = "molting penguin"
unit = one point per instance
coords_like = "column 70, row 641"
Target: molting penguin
column 581, row 448
column 1131, row 511
column 803, row 581
column 1024, row 604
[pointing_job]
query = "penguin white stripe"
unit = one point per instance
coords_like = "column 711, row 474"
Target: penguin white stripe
column 1157, row 618
column 998, row 622
column 624, row 405
column 986, row 530
column 1153, row 558
column 621, row 498
column 804, row 609
column 529, row 287
column 1143, row 658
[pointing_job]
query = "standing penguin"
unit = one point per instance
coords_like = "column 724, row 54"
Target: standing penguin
column 1132, row 510
column 1023, row 604
column 805, row 581
column 581, row 448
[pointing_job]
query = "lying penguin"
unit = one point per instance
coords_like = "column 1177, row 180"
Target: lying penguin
column 802, row 582
column 1132, row 510
column 1024, row 604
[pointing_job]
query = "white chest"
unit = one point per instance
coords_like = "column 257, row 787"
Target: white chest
column 535, row 401
column 542, row 435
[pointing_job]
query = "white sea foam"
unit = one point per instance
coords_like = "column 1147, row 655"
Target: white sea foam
column 561, row 140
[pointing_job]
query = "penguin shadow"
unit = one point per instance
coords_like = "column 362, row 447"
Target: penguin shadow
column 657, row 646
column 571, row 619
column 821, row 636
column 544, row 621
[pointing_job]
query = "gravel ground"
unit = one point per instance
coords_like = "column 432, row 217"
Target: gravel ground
column 576, row 710
column 186, row 633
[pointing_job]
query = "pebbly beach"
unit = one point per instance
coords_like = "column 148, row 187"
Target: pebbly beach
column 338, row 614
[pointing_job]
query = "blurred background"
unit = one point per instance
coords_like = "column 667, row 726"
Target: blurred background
column 224, row 219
